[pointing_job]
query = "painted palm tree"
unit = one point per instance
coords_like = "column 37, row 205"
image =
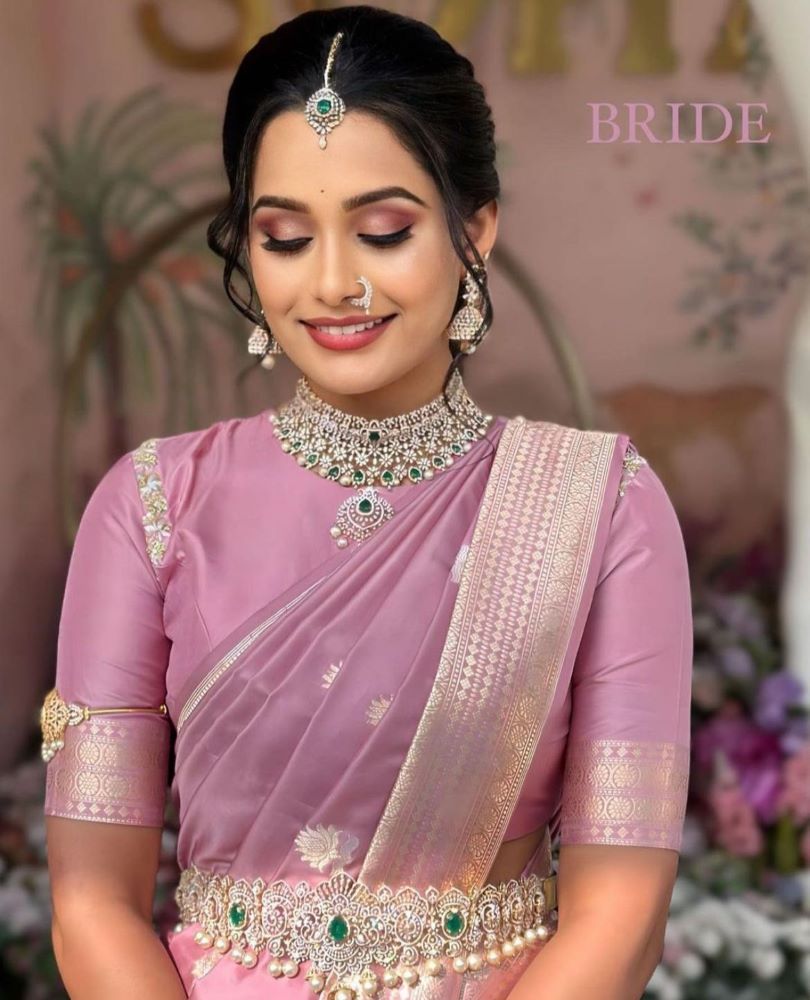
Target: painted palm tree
column 128, row 289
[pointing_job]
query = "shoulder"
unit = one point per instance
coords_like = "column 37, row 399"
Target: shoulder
column 148, row 486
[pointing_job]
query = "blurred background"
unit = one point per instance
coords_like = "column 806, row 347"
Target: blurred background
column 655, row 288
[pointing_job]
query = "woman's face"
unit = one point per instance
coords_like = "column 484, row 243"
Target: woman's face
column 320, row 218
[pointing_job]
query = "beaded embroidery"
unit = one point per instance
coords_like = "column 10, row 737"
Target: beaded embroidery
column 632, row 463
column 156, row 524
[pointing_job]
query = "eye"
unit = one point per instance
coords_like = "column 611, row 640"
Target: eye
column 284, row 246
column 388, row 239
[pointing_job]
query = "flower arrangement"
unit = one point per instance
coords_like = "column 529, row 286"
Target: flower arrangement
column 740, row 918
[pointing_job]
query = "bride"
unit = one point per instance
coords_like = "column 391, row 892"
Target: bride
column 388, row 646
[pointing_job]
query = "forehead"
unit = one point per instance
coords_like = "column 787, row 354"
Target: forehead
column 362, row 153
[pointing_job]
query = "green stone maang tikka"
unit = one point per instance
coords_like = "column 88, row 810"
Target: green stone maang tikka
column 325, row 109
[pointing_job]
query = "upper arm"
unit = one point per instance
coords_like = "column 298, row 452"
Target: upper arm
column 627, row 761
column 107, row 772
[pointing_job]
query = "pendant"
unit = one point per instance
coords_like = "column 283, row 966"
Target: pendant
column 359, row 515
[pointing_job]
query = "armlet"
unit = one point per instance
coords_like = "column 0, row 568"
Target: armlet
column 56, row 715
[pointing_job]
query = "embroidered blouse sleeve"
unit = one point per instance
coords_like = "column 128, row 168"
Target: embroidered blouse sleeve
column 627, row 761
column 104, row 725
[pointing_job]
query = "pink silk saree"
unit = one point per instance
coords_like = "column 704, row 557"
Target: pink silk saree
column 394, row 710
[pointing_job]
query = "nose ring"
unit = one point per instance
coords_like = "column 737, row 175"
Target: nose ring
column 363, row 301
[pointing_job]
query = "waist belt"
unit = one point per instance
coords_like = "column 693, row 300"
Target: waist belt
column 345, row 929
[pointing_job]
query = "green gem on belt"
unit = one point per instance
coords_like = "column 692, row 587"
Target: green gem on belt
column 237, row 915
column 454, row 923
column 338, row 928
column 365, row 506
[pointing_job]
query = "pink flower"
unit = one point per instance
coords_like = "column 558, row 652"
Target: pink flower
column 734, row 822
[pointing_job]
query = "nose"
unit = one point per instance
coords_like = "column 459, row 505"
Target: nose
column 335, row 278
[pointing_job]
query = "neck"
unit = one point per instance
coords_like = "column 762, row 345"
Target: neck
column 417, row 387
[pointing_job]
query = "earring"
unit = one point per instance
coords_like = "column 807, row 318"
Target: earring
column 262, row 341
column 467, row 321
column 363, row 301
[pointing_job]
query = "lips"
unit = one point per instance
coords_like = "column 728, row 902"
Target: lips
column 348, row 333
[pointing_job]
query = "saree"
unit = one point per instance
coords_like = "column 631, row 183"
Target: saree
column 379, row 716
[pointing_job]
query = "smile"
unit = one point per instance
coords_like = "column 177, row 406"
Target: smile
column 347, row 336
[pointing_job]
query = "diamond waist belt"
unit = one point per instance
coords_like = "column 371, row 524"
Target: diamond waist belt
column 347, row 931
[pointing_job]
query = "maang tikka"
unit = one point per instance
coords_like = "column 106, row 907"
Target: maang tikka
column 325, row 108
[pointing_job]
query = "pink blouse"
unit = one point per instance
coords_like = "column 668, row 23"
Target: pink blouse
column 184, row 537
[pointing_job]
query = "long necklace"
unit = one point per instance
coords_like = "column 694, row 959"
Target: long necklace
column 365, row 453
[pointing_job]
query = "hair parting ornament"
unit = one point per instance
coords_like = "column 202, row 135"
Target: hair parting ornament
column 325, row 108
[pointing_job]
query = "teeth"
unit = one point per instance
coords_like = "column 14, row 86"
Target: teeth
column 343, row 330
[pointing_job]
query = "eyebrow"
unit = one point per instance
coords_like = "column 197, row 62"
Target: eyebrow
column 349, row 205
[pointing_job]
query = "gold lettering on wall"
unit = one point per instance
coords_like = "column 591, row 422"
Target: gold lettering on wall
column 647, row 47
column 730, row 52
column 251, row 21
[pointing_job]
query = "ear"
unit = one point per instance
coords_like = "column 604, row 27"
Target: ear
column 482, row 228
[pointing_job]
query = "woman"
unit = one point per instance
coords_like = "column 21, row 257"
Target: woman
column 400, row 643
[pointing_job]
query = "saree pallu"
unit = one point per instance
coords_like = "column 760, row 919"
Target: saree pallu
column 275, row 777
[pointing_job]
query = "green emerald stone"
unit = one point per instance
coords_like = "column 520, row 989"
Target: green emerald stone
column 312, row 458
column 438, row 461
column 237, row 915
column 456, row 448
column 454, row 923
column 365, row 506
column 324, row 106
column 338, row 928
column 358, row 476
column 415, row 474
column 334, row 472
column 387, row 476
column 296, row 445
column 374, row 435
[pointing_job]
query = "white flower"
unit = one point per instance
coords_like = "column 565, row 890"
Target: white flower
column 690, row 967
column 767, row 963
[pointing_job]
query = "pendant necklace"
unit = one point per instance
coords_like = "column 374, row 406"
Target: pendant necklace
column 364, row 454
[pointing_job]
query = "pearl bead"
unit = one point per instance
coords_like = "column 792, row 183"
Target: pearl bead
column 236, row 955
column 531, row 935
column 474, row 961
column 289, row 968
column 342, row 543
column 508, row 949
column 346, row 480
column 494, row 956
column 198, row 937
column 410, row 977
column 274, row 968
column 206, row 940
column 249, row 959
column 370, row 987
column 285, row 446
column 316, row 982
column 433, row 967
column 428, row 473
column 268, row 362
column 178, row 928
column 391, row 978
column 334, row 531
column 344, row 994
column 460, row 963
column 222, row 945
column 542, row 933
column 301, row 459
column 518, row 942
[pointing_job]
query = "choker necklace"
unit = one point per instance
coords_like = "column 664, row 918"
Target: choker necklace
column 365, row 453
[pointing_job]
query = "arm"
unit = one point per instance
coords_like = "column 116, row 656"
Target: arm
column 613, row 911
column 107, row 773
column 625, row 780
column 102, row 886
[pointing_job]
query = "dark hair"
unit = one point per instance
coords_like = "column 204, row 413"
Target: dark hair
column 394, row 67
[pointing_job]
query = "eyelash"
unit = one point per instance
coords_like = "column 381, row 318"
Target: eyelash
column 289, row 247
